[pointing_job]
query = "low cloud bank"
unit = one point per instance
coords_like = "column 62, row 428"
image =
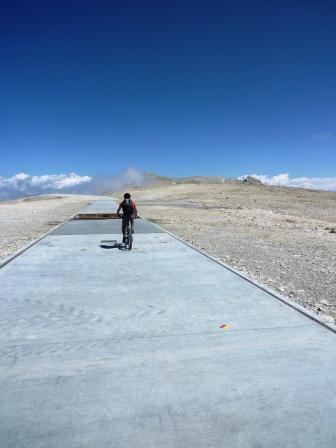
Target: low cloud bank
column 284, row 180
column 23, row 184
column 130, row 177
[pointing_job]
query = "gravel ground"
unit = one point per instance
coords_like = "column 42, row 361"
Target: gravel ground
column 23, row 220
column 281, row 237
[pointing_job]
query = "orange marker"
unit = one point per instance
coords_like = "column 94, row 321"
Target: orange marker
column 224, row 326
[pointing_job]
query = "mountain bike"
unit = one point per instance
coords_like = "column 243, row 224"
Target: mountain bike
column 127, row 240
column 128, row 237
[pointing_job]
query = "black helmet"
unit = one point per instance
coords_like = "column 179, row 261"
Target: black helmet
column 127, row 196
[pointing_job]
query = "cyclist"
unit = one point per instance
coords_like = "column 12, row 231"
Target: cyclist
column 130, row 212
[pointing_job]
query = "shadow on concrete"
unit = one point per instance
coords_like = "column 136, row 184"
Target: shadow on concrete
column 106, row 246
column 114, row 245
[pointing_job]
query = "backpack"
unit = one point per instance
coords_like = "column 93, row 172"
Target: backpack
column 128, row 207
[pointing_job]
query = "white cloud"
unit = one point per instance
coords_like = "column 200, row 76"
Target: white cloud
column 284, row 180
column 23, row 184
column 128, row 178
column 320, row 137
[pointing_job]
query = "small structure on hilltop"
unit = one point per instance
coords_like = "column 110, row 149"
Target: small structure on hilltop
column 250, row 180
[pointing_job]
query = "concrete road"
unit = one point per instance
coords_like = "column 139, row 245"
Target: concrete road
column 109, row 348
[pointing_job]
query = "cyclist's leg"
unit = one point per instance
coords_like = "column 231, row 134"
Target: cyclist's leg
column 132, row 224
column 123, row 227
column 127, row 223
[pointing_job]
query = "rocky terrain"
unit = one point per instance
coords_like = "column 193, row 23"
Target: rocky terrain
column 282, row 237
column 23, row 220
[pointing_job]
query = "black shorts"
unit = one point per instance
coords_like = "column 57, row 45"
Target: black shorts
column 125, row 222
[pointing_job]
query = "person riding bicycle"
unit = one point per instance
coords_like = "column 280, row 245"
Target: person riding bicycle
column 130, row 212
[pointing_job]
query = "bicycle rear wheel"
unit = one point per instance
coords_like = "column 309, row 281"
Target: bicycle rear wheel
column 130, row 237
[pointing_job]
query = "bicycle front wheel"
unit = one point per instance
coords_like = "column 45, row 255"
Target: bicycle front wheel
column 130, row 238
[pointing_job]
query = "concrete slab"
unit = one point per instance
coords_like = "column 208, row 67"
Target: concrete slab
column 101, row 206
column 102, row 226
column 108, row 348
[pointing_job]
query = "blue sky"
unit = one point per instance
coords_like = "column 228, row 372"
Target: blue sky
column 177, row 88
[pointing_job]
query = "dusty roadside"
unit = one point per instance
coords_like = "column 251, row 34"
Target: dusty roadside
column 23, row 220
column 281, row 237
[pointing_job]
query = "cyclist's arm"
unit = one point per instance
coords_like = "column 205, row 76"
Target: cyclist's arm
column 118, row 211
column 135, row 210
